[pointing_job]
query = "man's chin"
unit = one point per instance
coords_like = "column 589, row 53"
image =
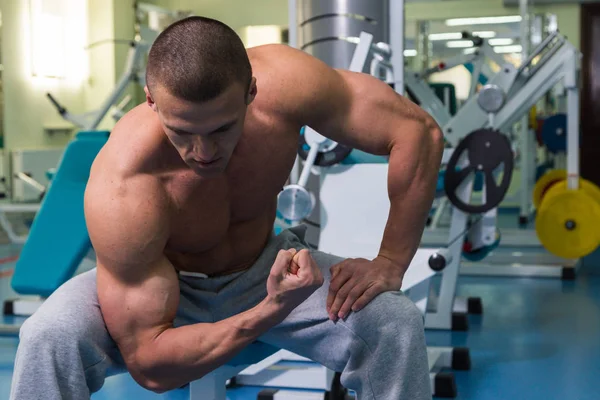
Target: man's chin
column 207, row 172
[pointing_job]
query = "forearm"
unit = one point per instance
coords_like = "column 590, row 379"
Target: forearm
column 180, row 355
column 412, row 180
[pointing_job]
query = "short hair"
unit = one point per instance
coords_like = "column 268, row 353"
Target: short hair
column 196, row 59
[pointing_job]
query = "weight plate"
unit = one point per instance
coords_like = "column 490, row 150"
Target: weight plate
column 558, row 179
column 554, row 133
column 295, row 203
column 567, row 222
column 545, row 182
column 488, row 152
column 323, row 159
column 491, row 98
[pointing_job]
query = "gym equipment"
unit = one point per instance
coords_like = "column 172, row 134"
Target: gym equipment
column 56, row 245
column 567, row 219
column 135, row 70
column 330, row 153
column 475, row 62
column 294, row 202
column 554, row 133
column 487, row 151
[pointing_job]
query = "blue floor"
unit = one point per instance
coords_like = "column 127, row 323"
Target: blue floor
column 537, row 339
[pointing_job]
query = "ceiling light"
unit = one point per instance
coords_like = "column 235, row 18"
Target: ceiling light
column 517, row 48
column 485, row 34
column 483, row 20
column 459, row 44
column 445, row 36
column 500, row 42
column 410, row 53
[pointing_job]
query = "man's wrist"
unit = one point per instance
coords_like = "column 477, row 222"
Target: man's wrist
column 393, row 262
column 271, row 312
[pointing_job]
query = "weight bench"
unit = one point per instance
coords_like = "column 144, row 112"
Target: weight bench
column 58, row 240
column 213, row 386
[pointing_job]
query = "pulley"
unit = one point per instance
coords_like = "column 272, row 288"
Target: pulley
column 483, row 152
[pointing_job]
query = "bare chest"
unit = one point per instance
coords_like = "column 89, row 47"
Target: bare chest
column 223, row 211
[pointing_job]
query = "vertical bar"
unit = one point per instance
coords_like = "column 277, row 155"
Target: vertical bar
column 397, row 43
column 293, row 42
column 572, row 120
column 524, row 142
column 361, row 52
column 292, row 23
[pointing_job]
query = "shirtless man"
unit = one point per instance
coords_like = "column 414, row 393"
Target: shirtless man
column 180, row 207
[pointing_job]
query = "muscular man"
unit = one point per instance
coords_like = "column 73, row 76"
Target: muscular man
column 180, row 208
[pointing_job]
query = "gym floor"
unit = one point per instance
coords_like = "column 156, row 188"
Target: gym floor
column 537, row 339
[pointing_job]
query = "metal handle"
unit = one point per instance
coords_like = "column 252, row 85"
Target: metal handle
column 440, row 259
column 61, row 109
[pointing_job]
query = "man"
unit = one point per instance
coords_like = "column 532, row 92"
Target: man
column 180, row 207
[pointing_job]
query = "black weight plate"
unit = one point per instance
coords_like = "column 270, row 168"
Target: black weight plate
column 486, row 150
column 323, row 159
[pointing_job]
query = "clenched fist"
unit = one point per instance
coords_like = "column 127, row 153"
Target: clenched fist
column 293, row 278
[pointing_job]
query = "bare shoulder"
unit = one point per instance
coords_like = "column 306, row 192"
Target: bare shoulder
column 126, row 206
column 295, row 82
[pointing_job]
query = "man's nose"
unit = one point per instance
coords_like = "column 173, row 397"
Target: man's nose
column 204, row 149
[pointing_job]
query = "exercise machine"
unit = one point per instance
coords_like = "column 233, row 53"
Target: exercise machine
column 135, row 71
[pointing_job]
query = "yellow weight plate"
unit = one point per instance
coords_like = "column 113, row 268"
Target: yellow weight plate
column 560, row 186
column 591, row 189
column 543, row 184
column 567, row 223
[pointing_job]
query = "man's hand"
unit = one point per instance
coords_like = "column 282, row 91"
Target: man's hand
column 356, row 281
column 293, row 278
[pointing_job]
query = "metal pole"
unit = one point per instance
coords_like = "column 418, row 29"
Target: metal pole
column 397, row 42
column 293, row 42
column 525, row 143
column 292, row 23
column 572, row 120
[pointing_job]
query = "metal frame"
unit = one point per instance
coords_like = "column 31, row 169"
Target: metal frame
column 134, row 71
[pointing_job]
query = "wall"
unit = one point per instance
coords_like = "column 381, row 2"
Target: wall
column 234, row 13
column 26, row 109
column 109, row 21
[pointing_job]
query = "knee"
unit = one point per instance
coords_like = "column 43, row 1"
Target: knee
column 389, row 315
column 43, row 330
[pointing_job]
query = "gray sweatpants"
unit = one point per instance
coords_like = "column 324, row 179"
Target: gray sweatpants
column 66, row 352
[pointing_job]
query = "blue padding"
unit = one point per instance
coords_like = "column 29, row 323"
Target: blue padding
column 58, row 239
column 253, row 354
column 482, row 78
column 360, row 157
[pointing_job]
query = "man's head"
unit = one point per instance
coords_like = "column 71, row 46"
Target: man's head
column 199, row 81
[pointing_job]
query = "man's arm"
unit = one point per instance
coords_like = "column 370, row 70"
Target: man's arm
column 362, row 112
column 138, row 291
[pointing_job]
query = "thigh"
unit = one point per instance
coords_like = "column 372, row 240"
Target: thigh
column 72, row 316
column 309, row 332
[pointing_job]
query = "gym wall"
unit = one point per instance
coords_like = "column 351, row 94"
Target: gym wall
column 28, row 114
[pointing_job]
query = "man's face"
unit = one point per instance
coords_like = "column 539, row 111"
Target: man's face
column 204, row 134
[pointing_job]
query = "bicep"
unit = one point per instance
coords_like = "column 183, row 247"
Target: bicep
column 137, row 285
column 137, row 305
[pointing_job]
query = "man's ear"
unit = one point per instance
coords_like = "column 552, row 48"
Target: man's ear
column 252, row 91
column 149, row 99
